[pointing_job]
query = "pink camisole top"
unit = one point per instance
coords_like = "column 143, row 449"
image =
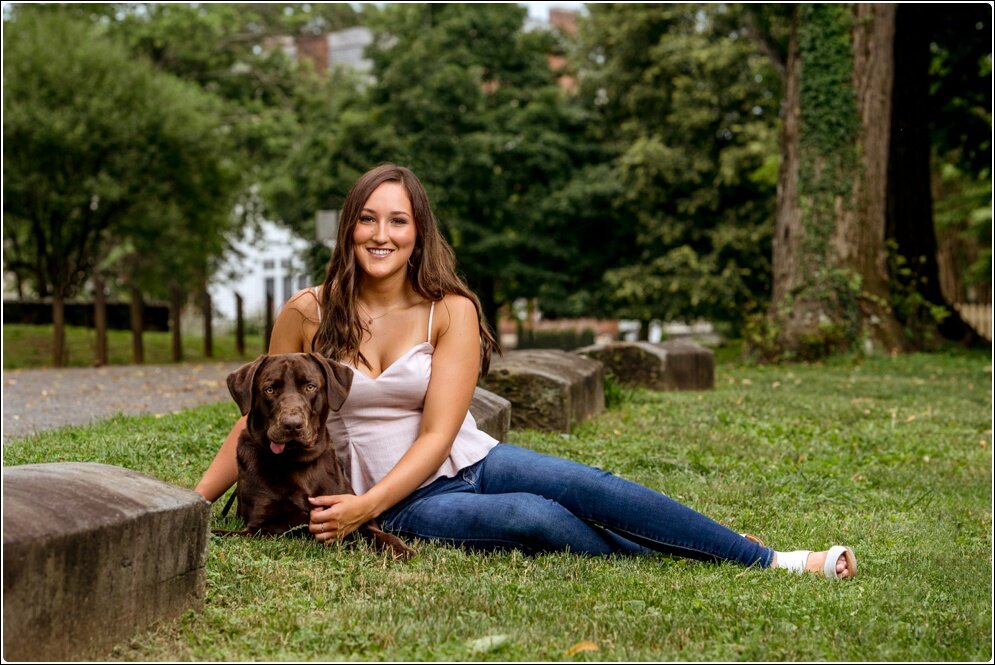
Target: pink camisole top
column 381, row 418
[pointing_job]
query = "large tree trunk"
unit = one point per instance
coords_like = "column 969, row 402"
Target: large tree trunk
column 910, row 200
column 859, row 238
column 830, row 286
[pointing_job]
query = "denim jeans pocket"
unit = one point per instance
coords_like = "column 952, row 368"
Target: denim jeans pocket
column 471, row 476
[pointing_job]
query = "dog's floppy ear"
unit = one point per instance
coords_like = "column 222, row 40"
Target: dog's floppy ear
column 338, row 380
column 240, row 383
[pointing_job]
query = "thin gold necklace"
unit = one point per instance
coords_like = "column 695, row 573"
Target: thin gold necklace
column 370, row 318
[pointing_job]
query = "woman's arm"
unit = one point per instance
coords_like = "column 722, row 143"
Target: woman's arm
column 223, row 471
column 288, row 337
column 455, row 364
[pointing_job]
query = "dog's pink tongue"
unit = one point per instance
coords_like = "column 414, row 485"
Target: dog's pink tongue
column 277, row 448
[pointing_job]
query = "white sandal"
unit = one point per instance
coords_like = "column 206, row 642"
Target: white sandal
column 795, row 561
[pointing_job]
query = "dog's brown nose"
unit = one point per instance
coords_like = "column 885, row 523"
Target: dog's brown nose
column 292, row 424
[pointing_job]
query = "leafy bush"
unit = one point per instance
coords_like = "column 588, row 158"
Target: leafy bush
column 918, row 315
column 615, row 393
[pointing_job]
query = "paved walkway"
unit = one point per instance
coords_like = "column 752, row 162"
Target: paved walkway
column 40, row 399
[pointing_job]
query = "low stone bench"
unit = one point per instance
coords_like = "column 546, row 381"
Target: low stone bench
column 93, row 554
column 492, row 413
column 548, row 389
column 670, row 365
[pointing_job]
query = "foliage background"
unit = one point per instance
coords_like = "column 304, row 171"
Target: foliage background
column 628, row 170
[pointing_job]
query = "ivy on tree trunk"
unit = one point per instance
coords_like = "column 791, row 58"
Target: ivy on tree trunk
column 830, row 285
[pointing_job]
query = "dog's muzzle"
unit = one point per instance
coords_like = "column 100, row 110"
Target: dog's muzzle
column 290, row 427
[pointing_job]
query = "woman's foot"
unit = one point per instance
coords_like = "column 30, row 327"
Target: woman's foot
column 815, row 562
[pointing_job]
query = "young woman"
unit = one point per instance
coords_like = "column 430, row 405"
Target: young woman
column 393, row 309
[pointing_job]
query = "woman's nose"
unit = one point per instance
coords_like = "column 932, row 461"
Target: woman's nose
column 380, row 232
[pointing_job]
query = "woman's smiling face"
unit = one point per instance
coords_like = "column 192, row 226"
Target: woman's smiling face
column 384, row 235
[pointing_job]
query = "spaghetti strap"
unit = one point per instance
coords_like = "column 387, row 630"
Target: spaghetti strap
column 317, row 301
column 431, row 312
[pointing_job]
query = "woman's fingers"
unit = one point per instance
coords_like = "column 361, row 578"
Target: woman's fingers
column 320, row 522
column 323, row 528
column 335, row 515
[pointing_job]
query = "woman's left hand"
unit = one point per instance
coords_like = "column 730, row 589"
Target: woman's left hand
column 336, row 516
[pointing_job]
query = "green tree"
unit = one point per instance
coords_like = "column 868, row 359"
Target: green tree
column 587, row 220
column 282, row 115
column 960, row 123
column 480, row 117
column 941, row 107
column 230, row 51
column 464, row 97
column 688, row 105
column 102, row 151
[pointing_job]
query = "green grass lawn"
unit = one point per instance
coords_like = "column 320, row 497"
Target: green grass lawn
column 891, row 456
column 30, row 347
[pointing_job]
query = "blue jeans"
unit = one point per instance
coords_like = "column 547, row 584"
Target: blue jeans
column 516, row 498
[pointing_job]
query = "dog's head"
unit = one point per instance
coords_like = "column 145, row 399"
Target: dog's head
column 287, row 397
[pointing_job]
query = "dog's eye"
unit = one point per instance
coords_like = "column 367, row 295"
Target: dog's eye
column 269, row 390
column 311, row 387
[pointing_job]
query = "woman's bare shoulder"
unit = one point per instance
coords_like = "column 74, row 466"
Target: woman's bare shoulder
column 456, row 303
column 454, row 309
column 306, row 303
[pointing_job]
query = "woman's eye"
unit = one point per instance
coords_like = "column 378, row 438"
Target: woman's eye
column 399, row 221
column 366, row 219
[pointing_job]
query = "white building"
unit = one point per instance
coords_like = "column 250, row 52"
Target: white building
column 271, row 261
column 342, row 49
column 346, row 48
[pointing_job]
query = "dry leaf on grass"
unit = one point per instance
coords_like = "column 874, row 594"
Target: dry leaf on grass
column 580, row 647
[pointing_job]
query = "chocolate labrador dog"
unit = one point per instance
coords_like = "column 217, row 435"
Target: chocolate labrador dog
column 285, row 454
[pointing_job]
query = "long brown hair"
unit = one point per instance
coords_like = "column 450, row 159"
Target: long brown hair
column 431, row 270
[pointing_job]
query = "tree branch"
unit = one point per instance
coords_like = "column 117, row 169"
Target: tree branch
column 763, row 41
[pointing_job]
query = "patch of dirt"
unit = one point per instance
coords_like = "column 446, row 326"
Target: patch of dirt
column 40, row 399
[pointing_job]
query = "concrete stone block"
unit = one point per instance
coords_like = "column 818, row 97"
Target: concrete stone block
column 690, row 366
column 93, row 554
column 548, row 389
column 492, row 413
column 670, row 365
